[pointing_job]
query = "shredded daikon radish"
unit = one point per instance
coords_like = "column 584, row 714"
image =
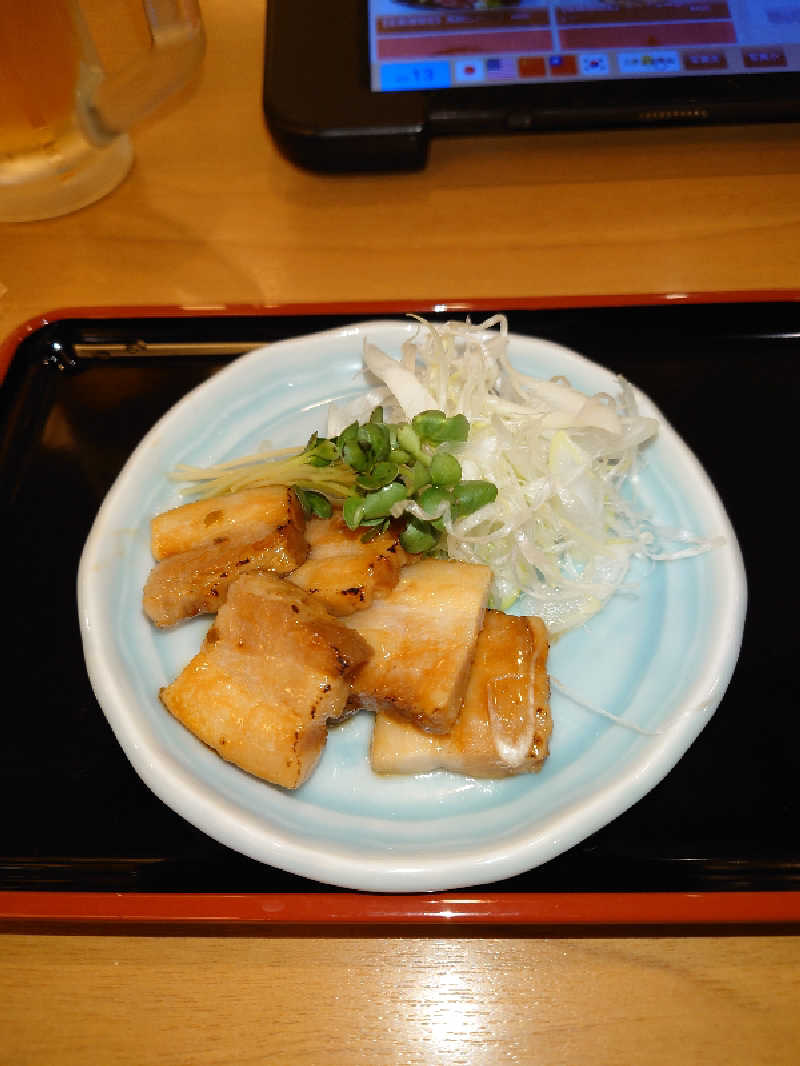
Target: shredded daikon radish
column 580, row 702
column 560, row 533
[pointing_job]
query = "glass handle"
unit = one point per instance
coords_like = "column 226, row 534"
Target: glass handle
column 126, row 96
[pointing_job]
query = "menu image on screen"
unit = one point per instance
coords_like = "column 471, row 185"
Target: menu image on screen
column 441, row 44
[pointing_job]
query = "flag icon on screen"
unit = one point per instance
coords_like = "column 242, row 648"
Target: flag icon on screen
column 499, row 68
column 594, row 63
column 467, row 70
column 563, row 65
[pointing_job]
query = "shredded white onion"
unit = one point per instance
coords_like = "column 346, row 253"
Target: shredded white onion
column 560, row 532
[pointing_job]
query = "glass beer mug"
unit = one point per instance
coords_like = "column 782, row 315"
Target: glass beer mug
column 63, row 119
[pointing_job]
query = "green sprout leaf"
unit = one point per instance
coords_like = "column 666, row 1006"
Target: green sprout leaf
column 470, row 496
column 313, row 503
column 426, row 423
column 379, row 504
column 445, row 469
column 416, row 477
column 382, row 474
column 374, row 437
column 418, row 536
column 430, row 499
column 450, row 430
column 353, row 511
column 355, row 456
column 409, row 441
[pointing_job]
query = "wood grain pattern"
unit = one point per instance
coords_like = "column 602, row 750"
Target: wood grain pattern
column 71, row 1000
column 212, row 214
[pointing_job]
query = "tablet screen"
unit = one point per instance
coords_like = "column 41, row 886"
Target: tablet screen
column 442, row 44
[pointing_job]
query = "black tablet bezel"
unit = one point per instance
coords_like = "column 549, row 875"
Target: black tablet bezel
column 322, row 111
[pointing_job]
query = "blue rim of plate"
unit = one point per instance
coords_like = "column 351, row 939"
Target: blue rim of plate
column 660, row 655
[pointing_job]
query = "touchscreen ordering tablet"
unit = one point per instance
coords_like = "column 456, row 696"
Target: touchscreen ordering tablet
column 441, row 44
column 364, row 84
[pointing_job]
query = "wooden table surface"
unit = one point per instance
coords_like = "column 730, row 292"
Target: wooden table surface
column 211, row 214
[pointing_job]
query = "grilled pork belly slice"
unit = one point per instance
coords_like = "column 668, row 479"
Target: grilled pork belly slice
column 423, row 634
column 249, row 514
column 197, row 581
column 504, row 726
column 342, row 572
column 203, row 546
column 272, row 671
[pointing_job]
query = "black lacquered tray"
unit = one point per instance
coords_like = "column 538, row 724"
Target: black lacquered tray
column 83, row 386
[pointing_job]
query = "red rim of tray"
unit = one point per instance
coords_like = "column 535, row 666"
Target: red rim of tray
column 577, row 910
column 11, row 342
column 553, row 910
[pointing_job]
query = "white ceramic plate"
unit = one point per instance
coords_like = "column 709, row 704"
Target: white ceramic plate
column 661, row 659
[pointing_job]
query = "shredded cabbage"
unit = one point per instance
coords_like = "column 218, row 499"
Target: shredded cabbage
column 561, row 532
